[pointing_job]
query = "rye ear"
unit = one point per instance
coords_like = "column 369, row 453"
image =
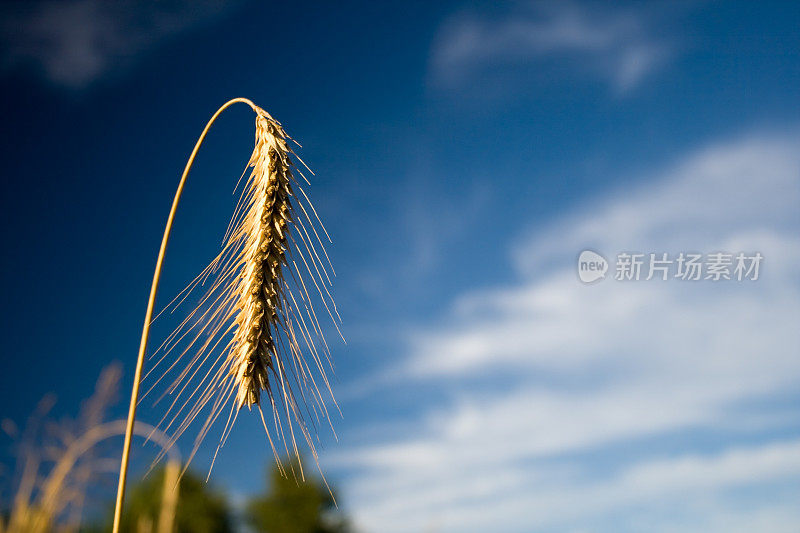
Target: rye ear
column 254, row 338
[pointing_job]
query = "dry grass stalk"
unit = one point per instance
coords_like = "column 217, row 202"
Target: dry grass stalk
column 169, row 500
column 56, row 464
column 255, row 335
column 251, row 327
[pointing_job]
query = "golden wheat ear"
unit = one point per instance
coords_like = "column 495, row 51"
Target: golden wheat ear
column 254, row 338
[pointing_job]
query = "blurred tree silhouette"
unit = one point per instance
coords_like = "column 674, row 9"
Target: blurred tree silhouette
column 295, row 506
column 200, row 509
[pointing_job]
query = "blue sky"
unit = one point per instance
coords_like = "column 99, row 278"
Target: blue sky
column 465, row 153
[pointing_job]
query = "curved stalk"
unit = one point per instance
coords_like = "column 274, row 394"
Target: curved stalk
column 123, row 471
column 48, row 502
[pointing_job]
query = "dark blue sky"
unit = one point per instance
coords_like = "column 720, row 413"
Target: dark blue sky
column 444, row 136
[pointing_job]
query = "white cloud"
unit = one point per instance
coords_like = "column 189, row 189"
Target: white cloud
column 739, row 197
column 76, row 42
column 617, row 46
column 596, row 367
column 532, row 498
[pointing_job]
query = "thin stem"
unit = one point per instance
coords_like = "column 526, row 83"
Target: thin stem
column 123, row 471
column 169, row 501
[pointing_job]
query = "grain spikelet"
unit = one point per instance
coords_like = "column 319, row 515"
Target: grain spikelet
column 255, row 338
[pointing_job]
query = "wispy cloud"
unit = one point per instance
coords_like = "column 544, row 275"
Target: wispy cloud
column 741, row 195
column 535, row 498
column 617, row 46
column 76, row 42
column 545, row 377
